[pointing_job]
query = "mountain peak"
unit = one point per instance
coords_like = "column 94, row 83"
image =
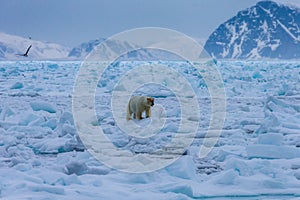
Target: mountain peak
column 266, row 3
column 265, row 30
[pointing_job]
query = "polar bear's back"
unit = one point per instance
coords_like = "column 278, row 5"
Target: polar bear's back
column 137, row 103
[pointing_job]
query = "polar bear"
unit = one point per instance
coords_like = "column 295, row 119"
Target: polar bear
column 137, row 105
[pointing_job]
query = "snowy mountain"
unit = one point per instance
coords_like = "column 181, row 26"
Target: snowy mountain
column 266, row 30
column 10, row 45
column 82, row 50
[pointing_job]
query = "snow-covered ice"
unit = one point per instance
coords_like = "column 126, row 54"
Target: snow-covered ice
column 257, row 155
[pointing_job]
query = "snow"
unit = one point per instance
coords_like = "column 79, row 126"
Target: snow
column 257, row 156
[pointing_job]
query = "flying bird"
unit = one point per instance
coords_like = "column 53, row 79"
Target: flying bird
column 25, row 54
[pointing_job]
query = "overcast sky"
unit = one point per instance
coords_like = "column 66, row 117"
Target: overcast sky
column 71, row 22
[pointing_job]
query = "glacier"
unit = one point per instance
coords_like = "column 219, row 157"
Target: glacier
column 257, row 155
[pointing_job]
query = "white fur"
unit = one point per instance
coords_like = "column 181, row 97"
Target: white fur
column 136, row 106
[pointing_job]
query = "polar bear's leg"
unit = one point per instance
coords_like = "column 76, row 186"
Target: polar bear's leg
column 138, row 115
column 129, row 113
column 148, row 112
